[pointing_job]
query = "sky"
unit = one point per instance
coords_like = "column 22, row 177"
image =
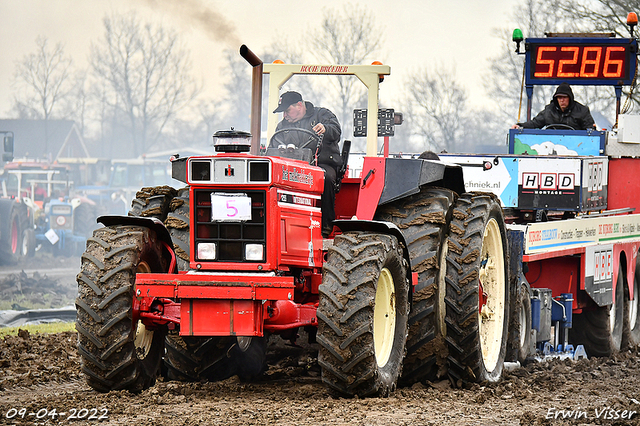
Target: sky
column 417, row 33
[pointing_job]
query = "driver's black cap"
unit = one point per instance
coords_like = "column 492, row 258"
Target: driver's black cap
column 286, row 100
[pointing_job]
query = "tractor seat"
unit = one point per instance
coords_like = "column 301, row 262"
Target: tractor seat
column 342, row 168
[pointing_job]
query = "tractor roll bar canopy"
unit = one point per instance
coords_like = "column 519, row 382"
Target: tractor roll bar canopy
column 369, row 75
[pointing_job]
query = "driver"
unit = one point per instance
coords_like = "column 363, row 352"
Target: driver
column 562, row 109
column 303, row 115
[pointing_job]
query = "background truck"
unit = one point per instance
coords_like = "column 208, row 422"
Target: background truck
column 419, row 279
column 61, row 219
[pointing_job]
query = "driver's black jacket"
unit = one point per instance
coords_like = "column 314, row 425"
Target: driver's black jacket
column 576, row 115
column 330, row 151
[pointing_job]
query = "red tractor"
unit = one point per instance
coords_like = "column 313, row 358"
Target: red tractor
column 202, row 276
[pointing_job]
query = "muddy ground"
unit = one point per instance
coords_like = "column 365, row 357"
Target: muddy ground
column 44, row 281
column 41, row 373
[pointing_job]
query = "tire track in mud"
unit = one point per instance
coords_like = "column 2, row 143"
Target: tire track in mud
column 19, row 393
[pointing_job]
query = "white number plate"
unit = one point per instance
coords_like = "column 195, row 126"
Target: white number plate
column 230, row 208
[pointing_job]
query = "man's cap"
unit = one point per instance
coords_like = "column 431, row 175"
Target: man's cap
column 564, row 90
column 286, row 100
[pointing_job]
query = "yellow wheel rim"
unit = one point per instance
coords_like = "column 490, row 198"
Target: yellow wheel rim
column 442, row 288
column 524, row 330
column 144, row 338
column 384, row 317
column 492, row 278
column 142, row 341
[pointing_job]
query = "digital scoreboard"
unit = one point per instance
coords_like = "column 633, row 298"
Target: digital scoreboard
column 582, row 61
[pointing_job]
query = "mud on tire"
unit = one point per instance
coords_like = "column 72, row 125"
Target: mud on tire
column 152, row 202
column 477, row 328
column 423, row 219
column 117, row 351
column 362, row 316
column 177, row 222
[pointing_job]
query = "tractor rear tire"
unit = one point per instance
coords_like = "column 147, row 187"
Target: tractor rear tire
column 423, row 219
column 177, row 223
column 632, row 324
column 117, row 351
column 84, row 219
column 13, row 237
column 477, row 298
column 362, row 315
column 600, row 330
column 194, row 359
column 153, row 202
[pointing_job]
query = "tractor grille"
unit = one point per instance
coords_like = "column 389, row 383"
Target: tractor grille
column 230, row 238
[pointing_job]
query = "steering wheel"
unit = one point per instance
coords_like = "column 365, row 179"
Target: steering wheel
column 278, row 139
column 557, row 126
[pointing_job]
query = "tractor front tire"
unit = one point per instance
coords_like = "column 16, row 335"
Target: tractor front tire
column 362, row 315
column 477, row 298
column 117, row 351
column 423, row 219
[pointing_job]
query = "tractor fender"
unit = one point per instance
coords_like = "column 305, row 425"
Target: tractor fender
column 405, row 177
column 382, row 227
column 147, row 222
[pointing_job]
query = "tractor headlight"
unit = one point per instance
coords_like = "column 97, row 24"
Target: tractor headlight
column 207, row 251
column 254, row 252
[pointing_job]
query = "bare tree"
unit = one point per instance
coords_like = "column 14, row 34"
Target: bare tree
column 436, row 106
column 504, row 82
column 535, row 18
column 76, row 105
column 346, row 36
column 147, row 73
column 601, row 15
column 238, row 90
column 42, row 81
column 606, row 16
column 292, row 53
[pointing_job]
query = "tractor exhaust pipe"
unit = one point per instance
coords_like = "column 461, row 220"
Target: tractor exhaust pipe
column 256, row 97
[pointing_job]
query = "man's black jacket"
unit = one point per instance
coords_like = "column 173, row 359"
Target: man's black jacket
column 330, row 151
column 576, row 115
